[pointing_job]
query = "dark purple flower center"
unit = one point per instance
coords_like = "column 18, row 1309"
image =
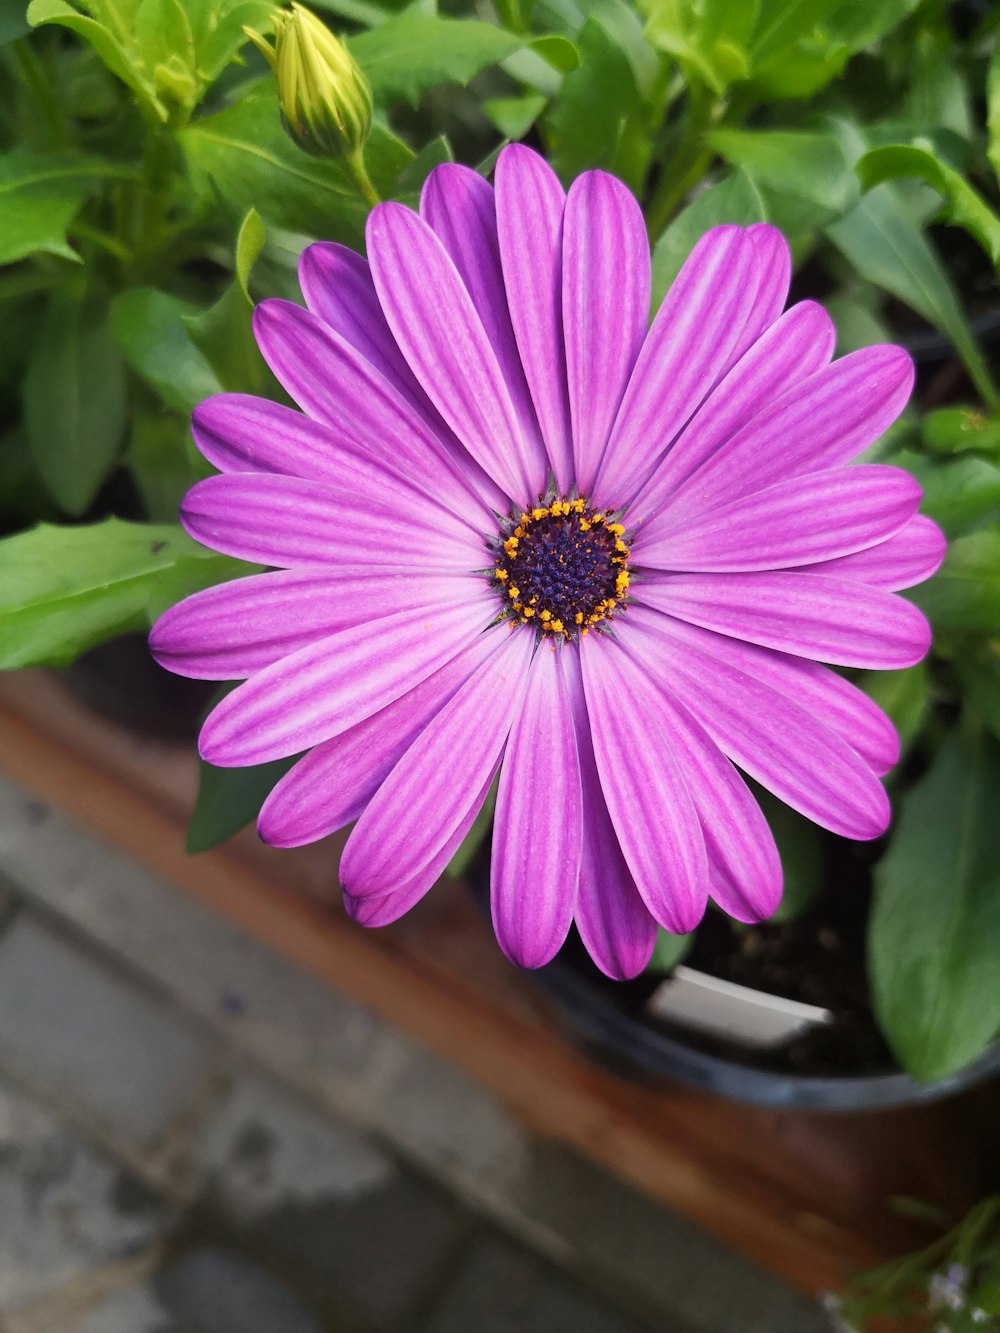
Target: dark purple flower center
column 562, row 568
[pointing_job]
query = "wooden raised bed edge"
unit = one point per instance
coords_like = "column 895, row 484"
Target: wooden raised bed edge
column 804, row 1194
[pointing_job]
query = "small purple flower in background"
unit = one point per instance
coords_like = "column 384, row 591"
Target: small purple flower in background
column 517, row 528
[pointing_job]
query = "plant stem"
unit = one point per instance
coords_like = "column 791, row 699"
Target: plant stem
column 356, row 166
column 690, row 160
column 40, row 86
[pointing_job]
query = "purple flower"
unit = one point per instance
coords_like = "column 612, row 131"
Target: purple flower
column 517, row 528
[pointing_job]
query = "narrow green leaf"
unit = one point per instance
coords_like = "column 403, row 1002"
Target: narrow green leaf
column 958, row 492
column 978, row 669
column 736, row 200
column 149, row 327
column 413, row 175
column 111, row 47
column 228, row 800
column 557, row 51
column 224, row 333
column 63, row 590
column 406, row 56
column 157, row 457
column 993, row 111
column 934, row 935
column 40, row 194
column 74, row 401
column 963, row 206
column 481, row 826
column 965, row 592
column 669, row 950
column 800, row 848
column 887, row 247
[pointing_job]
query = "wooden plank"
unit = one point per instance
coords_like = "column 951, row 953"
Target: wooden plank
column 803, row 1194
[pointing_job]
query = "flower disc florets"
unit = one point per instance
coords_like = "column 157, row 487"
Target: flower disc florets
column 562, row 567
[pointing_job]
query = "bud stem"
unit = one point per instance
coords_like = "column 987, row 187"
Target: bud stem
column 356, row 166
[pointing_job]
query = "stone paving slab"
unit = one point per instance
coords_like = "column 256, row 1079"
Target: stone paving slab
column 286, row 1176
column 501, row 1288
column 363, row 1231
column 66, row 1207
column 75, row 1027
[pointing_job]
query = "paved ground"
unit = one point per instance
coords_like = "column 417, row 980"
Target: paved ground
column 197, row 1138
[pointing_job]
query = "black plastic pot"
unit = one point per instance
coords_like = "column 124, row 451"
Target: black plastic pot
column 637, row 1048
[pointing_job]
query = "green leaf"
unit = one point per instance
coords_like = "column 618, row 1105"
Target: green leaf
column 669, row 950
column 241, row 158
column 710, row 39
column 800, row 848
column 228, row 800
column 40, row 194
column 415, row 172
column 978, row 669
column 557, row 51
column 63, row 590
column 13, row 25
column 965, row 592
column 963, row 206
column 112, row 49
column 934, row 936
column 599, row 118
column 158, row 457
column 993, row 111
column 904, row 695
column 74, row 401
column 958, row 493
column 736, row 200
column 406, row 56
column 224, row 332
column 887, row 247
column 959, row 430
column 514, row 116
column 149, row 326
column 806, row 176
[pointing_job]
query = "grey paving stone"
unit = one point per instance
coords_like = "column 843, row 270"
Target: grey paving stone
column 210, row 1290
column 280, row 1013
column 326, row 1205
column 65, row 1207
column 129, row 1310
column 630, row 1244
column 502, row 1289
column 264, row 1147
column 74, row 1026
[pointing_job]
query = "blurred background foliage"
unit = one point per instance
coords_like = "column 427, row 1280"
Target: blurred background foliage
column 149, row 194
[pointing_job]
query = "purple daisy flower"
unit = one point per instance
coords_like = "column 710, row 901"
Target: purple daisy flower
column 517, row 528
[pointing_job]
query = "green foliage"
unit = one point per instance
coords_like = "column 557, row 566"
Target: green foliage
column 63, row 590
column 40, row 193
column 74, row 401
column 406, row 56
column 935, row 928
column 669, row 950
column 734, row 200
column 229, row 799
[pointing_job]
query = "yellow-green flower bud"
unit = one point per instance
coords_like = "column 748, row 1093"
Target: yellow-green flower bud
column 326, row 101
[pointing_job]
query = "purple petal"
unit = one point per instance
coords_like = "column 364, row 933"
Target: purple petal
column 320, row 691
column 774, row 268
column 384, row 909
column 794, row 347
column 605, row 308
column 745, row 876
column 794, row 522
column 459, row 205
column 537, row 831
column 285, row 521
column 529, row 206
column 614, row 924
column 234, row 629
column 819, row 423
column 651, row 808
column 688, row 349
column 819, row 616
column 778, row 740
column 332, row 784
column 903, row 560
column 433, row 320
column 441, row 780
column 332, row 381
column 337, row 285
